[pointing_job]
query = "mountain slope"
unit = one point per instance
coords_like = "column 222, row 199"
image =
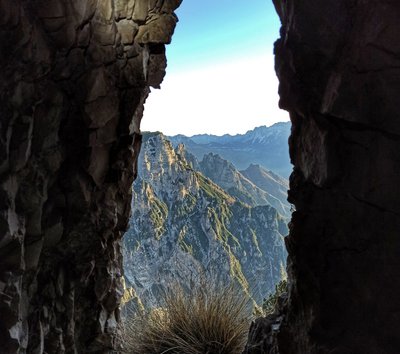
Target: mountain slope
column 224, row 174
column 183, row 223
column 267, row 146
column 268, row 181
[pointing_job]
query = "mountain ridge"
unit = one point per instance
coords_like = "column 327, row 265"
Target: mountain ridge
column 235, row 183
column 242, row 148
column 203, row 136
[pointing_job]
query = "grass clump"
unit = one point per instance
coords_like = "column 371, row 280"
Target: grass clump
column 203, row 320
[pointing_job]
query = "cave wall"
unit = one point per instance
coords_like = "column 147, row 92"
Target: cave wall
column 73, row 80
column 338, row 62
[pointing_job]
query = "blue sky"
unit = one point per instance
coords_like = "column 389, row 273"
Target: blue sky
column 220, row 76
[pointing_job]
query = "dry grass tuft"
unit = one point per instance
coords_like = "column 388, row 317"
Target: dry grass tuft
column 205, row 320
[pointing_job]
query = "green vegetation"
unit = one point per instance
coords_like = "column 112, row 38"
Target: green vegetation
column 158, row 215
column 270, row 303
column 220, row 217
column 186, row 206
column 131, row 297
column 212, row 190
column 207, row 319
column 182, row 243
column 241, row 196
column 237, row 273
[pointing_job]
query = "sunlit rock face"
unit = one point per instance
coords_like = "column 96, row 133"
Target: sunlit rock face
column 338, row 66
column 185, row 227
column 74, row 76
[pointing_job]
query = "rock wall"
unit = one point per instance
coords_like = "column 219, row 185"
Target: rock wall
column 74, row 77
column 338, row 62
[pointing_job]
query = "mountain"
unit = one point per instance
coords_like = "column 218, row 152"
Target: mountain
column 271, row 182
column 238, row 185
column 183, row 223
column 266, row 146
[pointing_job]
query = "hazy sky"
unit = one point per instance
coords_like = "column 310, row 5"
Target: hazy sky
column 220, row 75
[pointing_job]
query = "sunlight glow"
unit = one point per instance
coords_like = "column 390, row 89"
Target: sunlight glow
column 228, row 97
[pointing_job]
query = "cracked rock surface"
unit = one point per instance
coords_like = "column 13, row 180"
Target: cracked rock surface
column 338, row 63
column 74, row 77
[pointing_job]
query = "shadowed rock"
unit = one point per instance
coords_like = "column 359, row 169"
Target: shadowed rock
column 338, row 66
column 74, row 77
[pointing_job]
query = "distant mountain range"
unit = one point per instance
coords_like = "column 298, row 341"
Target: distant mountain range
column 265, row 146
column 191, row 214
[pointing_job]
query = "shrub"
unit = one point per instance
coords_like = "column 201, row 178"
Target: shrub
column 207, row 319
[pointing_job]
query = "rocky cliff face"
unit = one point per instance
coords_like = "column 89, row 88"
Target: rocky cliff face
column 338, row 66
column 183, row 226
column 74, row 76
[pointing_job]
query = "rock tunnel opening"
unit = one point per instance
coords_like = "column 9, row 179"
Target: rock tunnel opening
column 195, row 184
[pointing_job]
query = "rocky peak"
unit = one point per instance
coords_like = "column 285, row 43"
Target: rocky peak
column 221, row 170
column 189, row 157
column 159, row 154
column 165, row 167
column 183, row 222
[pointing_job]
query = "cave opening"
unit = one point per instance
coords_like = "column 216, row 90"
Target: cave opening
column 211, row 191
